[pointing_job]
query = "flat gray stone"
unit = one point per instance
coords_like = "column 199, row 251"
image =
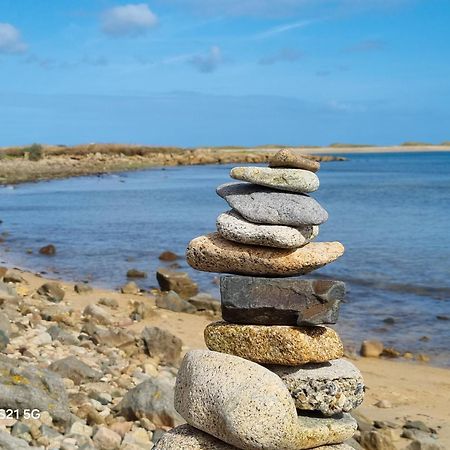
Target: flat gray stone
column 246, row 405
column 260, row 204
column 186, row 437
column 287, row 157
column 75, row 369
column 331, row 388
column 280, row 301
column 232, row 226
column 293, row 180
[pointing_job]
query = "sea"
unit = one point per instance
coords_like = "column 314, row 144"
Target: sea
column 391, row 211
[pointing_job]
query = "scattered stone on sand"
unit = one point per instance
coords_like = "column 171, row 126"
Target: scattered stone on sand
column 13, row 276
column 8, row 442
column 52, row 291
column 162, row 344
column 74, row 369
column 27, row 386
column 331, row 388
column 168, row 256
column 48, row 250
column 173, row 302
column 106, row 439
column 205, row 302
column 376, row 440
column 212, row 253
column 260, row 204
column 8, row 293
column 292, row 180
column 371, row 349
column 98, row 314
column 290, row 158
column 232, row 226
column 246, row 405
column 280, row 301
column 152, row 399
column 131, row 288
column 384, row 404
column 282, row 345
column 109, row 302
column 180, row 282
column 82, row 288
column 135, row 273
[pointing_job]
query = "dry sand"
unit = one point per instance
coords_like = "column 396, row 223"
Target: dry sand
column 415, row 391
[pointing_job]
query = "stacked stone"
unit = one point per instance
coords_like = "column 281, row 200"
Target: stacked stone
column 273, row 377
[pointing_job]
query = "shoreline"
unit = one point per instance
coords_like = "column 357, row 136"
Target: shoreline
column 406, row 391
column 20, row 165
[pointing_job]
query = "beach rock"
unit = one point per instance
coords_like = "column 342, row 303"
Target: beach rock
column 12, row 276
column 63, row 336
column 260, row 204
column 290, row 158
column 180, row 282
column 290, row 346
column 4, row 340
column 205, row 302
column 8, row 293
column 280, row 301
column 74, row 369
column 48, row 250
column 135, row 273
column 130, row 288
column 52, row 292
column 246, row 405
column 27, row 386
column 152, row 399
column 186, row 437
column 293, row 180
column 8, row 442
column 371, row 349
column 162, row 344
column 426, row 443
column 212, row 253
column 98, row 314
column 109, row 302
column 232, row 226
column 106, row 439
column 331, row 388
column 376, row 440
column 173, row 302
column 82, row 288
column 168, row 256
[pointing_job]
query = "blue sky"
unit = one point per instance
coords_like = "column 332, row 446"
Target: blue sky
column 222, row 72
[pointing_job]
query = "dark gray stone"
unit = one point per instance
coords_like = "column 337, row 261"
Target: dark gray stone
column 75, row 369
column 264, row 205
column 8, row 442
column 24, row 386
column 180, row 282
column 58, row 334
column 280, row 301
column 173, row 302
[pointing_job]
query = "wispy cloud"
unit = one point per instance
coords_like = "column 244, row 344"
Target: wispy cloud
column 283, row 28
column 208, row 62
column 283, row 55
column 367, row 45
column 128, row 20
column 53, row 63
column 11, row 39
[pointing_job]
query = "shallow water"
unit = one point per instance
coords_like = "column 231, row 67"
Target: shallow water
column 392, row 212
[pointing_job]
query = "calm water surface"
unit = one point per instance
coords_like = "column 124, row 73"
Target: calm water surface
column 392, row 212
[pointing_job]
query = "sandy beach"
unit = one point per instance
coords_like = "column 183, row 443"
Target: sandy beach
column 405, row 391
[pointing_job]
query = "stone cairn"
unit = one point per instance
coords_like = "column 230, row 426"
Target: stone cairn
column 273, row 377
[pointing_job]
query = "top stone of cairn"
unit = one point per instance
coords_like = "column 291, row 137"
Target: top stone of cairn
column 289, row 158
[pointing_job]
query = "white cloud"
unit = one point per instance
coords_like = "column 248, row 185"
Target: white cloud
column 283, row 28
column 128, row 20
column 10, row 39
column 208, row 62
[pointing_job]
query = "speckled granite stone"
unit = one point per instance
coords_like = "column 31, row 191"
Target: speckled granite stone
column 292, row 180
column 232, row 226
column 212, row 253
column 280, row 301
column 261, row 204
column 289, row 346
column 290, row 158
column 246, row 405
column 331, row 388
column 186, row 437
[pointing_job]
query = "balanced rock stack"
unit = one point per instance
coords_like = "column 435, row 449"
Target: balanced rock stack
column 273, row 377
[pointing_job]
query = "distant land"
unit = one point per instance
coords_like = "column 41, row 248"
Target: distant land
column 44, row 162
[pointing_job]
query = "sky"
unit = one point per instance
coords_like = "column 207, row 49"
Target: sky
column 224, row 72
